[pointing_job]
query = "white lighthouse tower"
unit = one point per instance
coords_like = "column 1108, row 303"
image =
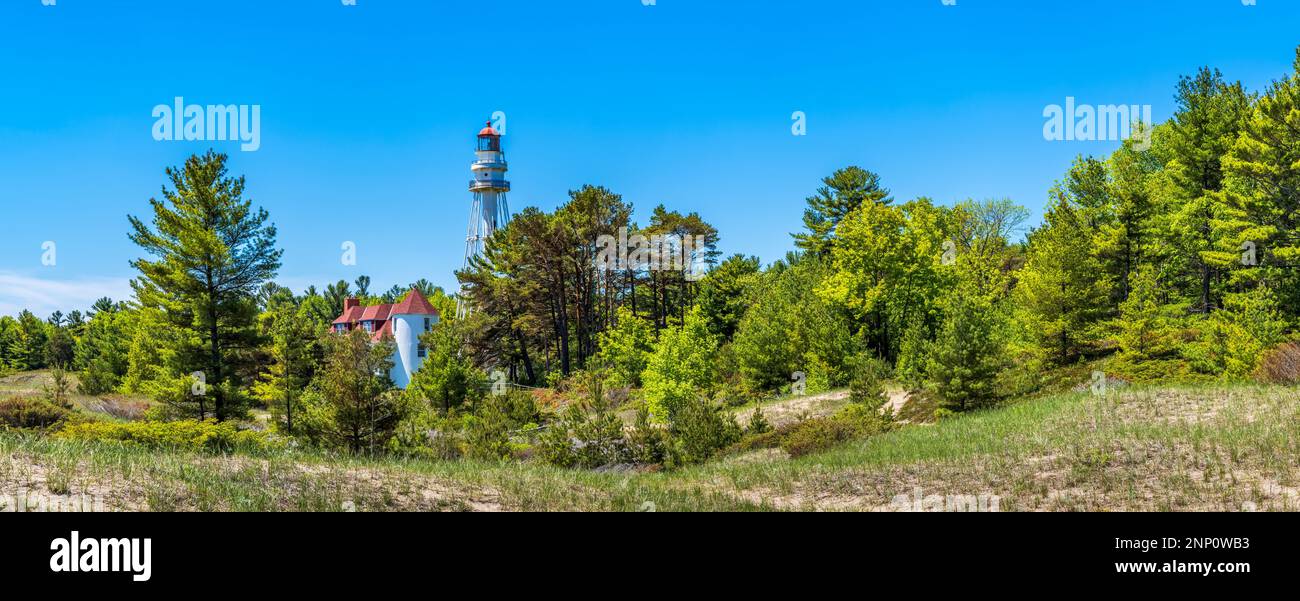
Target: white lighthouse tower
column 489, row 186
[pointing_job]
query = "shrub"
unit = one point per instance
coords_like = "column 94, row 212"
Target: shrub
column 32, row 414
column 582, row 440
column 819, row 434
column 864, row 385
column 699, row 430
column 1280, row 365
column 647, row 443
column 186, row 435
column 758, row 423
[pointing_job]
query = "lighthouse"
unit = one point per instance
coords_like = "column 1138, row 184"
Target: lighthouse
column 489, row 210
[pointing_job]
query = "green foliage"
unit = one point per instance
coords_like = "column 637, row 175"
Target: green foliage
column 1062, row 291
column 790, row 328
column 32, row 414
column 1233, row 339
column 699, row 430
column 647, row 442
column 1147, row 328
column 102, row 352
column 625, row 348
column 725, row 294
column 888, row 269
column 681, row 367
column 293, row 345
column 582, row 439
column 969, row 353
column 186, row 435
column 818, row 434
column 843, row 192
column 447, row 379
column 357, row 407
column 758, row 423
column 865, row 387
column 210, row 254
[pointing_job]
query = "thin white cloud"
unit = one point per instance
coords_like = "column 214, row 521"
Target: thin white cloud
column 44, row 296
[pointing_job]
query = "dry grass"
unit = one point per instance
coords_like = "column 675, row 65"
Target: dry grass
column 1215, row 448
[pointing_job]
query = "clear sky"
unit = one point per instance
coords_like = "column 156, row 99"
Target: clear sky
column 368, row 112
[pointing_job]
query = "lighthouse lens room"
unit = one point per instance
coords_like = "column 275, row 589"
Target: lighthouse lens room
column 652, row 256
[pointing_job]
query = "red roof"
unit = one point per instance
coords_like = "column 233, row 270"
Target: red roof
column 376, row 313
column 413, row 304
column 350, row 315
column 488, row 131
column 386, row 330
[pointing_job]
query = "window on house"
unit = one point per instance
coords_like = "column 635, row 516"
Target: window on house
column 427, row 324
column 420, row 351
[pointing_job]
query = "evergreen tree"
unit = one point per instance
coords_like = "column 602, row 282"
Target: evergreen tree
column 1210, row 115
column 358, row 408
column 1262, row 196
column 446, row 379
column 292, row 336
column 968, row 354
column 211, row 253
column 1062, row 291
column 724, row 294
column 841, row 193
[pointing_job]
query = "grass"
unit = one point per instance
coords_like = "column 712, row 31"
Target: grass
column 1223, row 448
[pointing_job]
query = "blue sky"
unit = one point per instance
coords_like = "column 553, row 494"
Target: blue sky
column 368, row 112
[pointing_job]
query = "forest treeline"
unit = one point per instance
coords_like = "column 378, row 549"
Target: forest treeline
column 1172, row 260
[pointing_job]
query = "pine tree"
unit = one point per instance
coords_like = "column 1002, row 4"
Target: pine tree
column 1063, row 290
column 211, row 253
column 841, row 193
column 1210, row 115
column 292, row 339
column 1262, row 196
column 968, row 354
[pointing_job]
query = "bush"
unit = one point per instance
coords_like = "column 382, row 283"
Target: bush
column 188, row 435
column 583, row 440
column 819, row 434
column 1280, row 365
column 32, row 414
column 699, row 430
column 647, row 443
column 864, row 384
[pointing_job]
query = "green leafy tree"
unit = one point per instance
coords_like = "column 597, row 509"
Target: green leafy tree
column 625, row 348
column 447, row 379
column 681, row 367
column 211, row 252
